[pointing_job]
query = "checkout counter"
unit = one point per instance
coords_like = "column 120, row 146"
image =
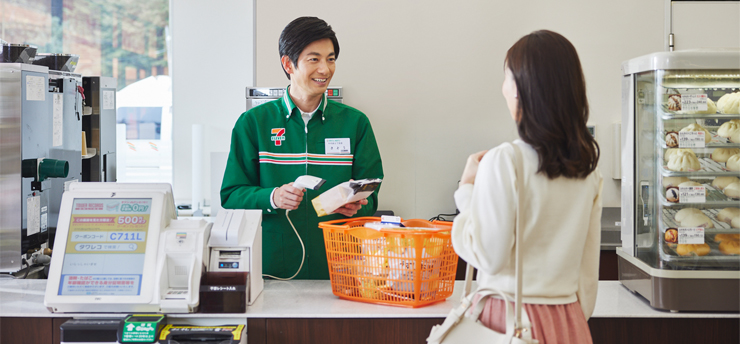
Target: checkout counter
column 174, row 253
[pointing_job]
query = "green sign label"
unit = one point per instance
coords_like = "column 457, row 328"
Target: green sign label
column 143, row 332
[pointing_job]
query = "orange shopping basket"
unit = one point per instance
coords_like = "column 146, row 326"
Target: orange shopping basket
column 411, row 267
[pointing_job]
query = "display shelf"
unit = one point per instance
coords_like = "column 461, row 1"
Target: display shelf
column 669, row 215
column 717, row 141
column 709, row 168
column 666, row 114
column 715, row 198
column 715, row 258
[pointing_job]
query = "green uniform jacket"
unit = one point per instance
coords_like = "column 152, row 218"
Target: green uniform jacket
column 270, row 147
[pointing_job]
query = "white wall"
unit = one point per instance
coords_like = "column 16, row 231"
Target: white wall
column 212, row 64
column 428, row 75
column 705, row 24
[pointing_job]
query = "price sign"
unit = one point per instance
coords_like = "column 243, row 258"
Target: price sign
column 694, row 102
column 690, row 235
column 691, row 139
column 692, row 194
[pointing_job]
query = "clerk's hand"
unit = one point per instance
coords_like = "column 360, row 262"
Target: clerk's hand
column 471, row 168
column 350, row 209
column 287, row 197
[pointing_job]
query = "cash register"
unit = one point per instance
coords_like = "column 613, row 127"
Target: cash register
column 119, row 247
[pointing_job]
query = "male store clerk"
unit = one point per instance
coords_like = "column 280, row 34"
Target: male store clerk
column 303, row 133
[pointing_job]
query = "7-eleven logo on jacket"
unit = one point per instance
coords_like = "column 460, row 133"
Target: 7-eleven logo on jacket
column 279, row 136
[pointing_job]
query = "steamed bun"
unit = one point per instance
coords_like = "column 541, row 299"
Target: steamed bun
column 684, row 161
column 671, row 151
column 685, row 213
column 727, row 214
column 729, row 103
column 697, row 220
column 722, row 182
column 722, row 154
column 733, row 163
column 727, row 129
column 732, row 190
column 674, row 181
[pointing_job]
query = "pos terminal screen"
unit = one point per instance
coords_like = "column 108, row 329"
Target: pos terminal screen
column 106, row 246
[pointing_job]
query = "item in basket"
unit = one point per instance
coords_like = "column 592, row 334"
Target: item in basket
column 730, row 247
column 343, row 272
column 722, row 154
column 727, row 214
column 735, row 222
column 674, row 102
column 697, row 220
column 726, row 236
column 721, row 182
column 684, row 213
column 729, row 128
column 684, row 162
column 671, row 194
column 733, row 163
column 671, row 235
column 347, row 192
column 729, row 103
column 372, row 287
column 403, row 269
column 697, row 127
column 735, row 138
column 671, row 139
column 693, row 249
column 672, row 151
column 674, row 181
column 732, row 190
column 375, row 262
column 385, row 222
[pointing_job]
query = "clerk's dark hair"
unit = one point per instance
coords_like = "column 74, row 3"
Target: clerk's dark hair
column 553, row 109
column 301, row 32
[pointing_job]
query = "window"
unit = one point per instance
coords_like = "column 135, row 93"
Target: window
column 125, row 39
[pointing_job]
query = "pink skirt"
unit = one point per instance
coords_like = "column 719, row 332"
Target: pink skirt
column 551, row 324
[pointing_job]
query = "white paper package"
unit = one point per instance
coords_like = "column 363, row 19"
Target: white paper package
column 347, row 192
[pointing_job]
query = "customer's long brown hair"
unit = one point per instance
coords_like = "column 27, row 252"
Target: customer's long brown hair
column 553, row 109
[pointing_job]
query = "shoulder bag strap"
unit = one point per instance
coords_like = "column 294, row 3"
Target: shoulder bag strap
column 517, row 243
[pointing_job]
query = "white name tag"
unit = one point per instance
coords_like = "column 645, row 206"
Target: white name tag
column 337, row 146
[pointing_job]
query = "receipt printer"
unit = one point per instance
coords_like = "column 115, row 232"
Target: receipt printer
column 236, row 250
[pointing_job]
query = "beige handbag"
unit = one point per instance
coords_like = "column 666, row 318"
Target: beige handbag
column 463, row 328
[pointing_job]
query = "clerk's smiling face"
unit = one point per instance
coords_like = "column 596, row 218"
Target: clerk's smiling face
column 311, row 74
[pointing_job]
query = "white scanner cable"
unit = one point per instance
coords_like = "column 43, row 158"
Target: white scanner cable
column 303, row 258
column 305, row 182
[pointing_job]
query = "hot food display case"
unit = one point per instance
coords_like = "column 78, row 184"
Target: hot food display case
column 680, row 186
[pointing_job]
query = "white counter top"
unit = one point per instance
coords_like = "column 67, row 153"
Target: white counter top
column 314, row 299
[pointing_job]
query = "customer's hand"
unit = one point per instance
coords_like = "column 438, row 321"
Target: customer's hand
column 471, row 168
column 287, row 197
column 350, row 209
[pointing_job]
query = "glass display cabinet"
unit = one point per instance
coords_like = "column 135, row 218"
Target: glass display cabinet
column 680, row 186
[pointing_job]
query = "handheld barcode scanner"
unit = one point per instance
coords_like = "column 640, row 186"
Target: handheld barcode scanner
column 308, row 182
column 302, row 182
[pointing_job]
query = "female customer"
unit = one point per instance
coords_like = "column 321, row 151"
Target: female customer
column 545, row 92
